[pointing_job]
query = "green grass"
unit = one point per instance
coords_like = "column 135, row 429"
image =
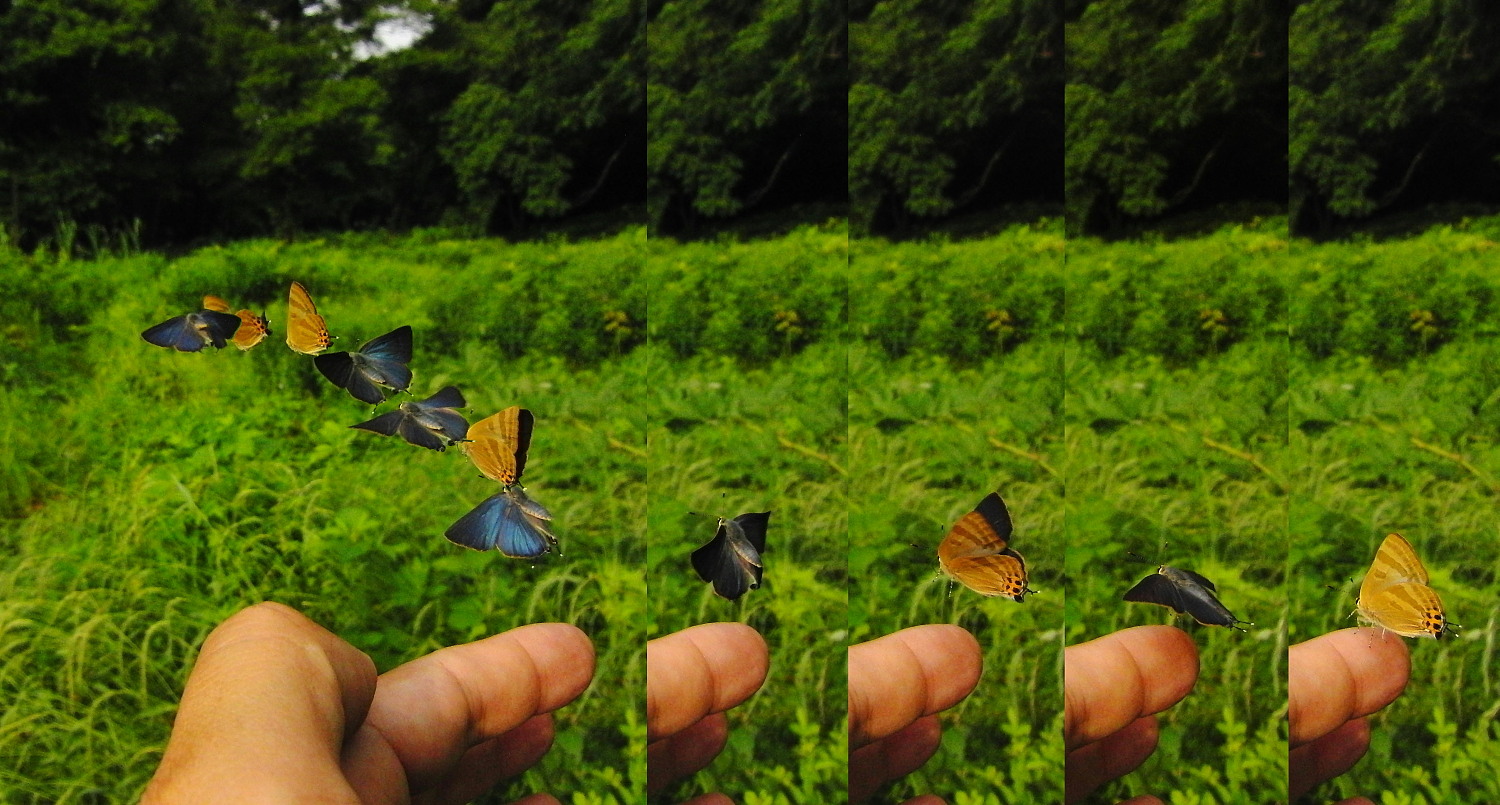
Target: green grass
column 154, row 493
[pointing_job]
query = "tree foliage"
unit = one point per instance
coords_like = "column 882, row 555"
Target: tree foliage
column 948, row 97
column 1167, row 100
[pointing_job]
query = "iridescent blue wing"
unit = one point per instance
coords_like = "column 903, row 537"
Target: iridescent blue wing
column 176, row 333
column 385, row 424
column 450, row 424
column 447, row 397
column 393, row 346
column 341, row 370
column 415, row 433
column 218, row 327
column 499, row 524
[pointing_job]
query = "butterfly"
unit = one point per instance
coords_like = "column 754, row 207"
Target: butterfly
column 431, row 423
column 510, row 520
column 381, row 361
column 731, row 560
column 1395, row 595
column 306, row 332
column 976, row 553
column 253, row 329
column 1185, row 592
column 191, row 332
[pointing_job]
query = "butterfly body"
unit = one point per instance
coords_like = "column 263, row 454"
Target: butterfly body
column 977, row 553
column 192, row 332
column 1394, row 594
column 380, row 362
column 430, row 423
column 1186, row 593
column 731, row 561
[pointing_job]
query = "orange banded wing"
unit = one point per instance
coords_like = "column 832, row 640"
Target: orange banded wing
column 253, row 330
column 306, row 332
column 976, row 552
column 1411, row 609
column 215, row 303
column 498, row 443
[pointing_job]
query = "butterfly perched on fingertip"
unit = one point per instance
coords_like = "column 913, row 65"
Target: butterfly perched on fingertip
column 253, row 328
column 306, row 332
column 1394, row 594
column 431, row 423
column 380, row 362
column 508, row 521
column 731, row 561
column 1186, row 593
column 191, row 332
column 977, row 553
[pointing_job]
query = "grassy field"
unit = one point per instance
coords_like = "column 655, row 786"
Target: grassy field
column 747, row 412
column 1176, row 444
column 955, row 392
column 149, row 494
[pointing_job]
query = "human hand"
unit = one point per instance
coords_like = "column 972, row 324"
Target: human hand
column 897, row 684
column 692, row 677
column 279, row 709
column 1333, row 682
column 1113, row 687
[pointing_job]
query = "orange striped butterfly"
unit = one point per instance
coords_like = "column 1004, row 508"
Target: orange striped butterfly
column 306, row 332
column 976, row 552
column 1395, row 595
column 509, row 521
column 253, row 329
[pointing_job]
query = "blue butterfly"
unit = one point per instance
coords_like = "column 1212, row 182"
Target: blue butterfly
column 380, row 362
column 508, row 521
column 194, row 331
column 731, row 560
column 430, row 423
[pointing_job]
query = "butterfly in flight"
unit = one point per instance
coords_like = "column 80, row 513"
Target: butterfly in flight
column 1184, row 592
column 977, row 552
column 1395, row 595
column 191, row 332
column 508, row 521
column 381, row 361
column 306, row 332
column 731, row 561
column 431, row 423
column 253, row 329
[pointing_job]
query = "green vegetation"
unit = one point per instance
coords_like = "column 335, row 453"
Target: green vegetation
column 149, row 494
column 955, row 391
column 746, row 411
column 1394, row 428
column 1176, row 451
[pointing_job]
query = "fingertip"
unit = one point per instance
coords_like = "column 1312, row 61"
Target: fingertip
column 564, row 657
column 895, row 679
column 701, row 670
column 1111, row 681
column 1343, row 675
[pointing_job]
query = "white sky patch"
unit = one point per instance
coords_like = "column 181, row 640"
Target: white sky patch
column 398, row 31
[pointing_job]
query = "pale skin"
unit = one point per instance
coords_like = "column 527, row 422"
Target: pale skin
column 279, row 709
column 692, row 677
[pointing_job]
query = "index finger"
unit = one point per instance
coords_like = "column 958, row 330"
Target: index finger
column 1341, row 676
column 432, row 710
column 704, row 669
column 1110, row 682
column 897, row 679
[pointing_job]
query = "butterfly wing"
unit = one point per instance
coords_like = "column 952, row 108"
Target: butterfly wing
column 1410, row 609
column 1156, row 589
column 176, row 333
column 975, row 552
column 342, row 370
column 385, row 424
column 726, row 565
column 447, row 423
column 446, row 397
column 499, row 444
column 306, row 332
column 499, row 523
column 754, row 526
column 253, row 329
column 1395, row 563
column 415, row 433
column 215, row 303
column 383, row 359
column 1000, row 574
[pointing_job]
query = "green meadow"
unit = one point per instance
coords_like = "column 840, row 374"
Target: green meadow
column 746, row 412
column 149, row 494
column 955, row 392
column 1175, row 450
column 1395, row 428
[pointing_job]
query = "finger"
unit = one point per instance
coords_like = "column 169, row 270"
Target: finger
column 1112, row 756
column 701, row 670
column 687, row 752
column 894, row 756
column 1342, row 675
column 265, row 711
column 488, row 763
column 1327, row 757
column 428, row 713
column 1110, row 682
column 903, row 676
